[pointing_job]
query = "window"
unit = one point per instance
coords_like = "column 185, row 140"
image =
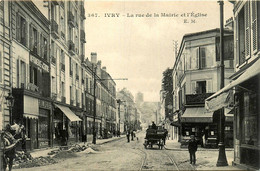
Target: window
column 53, row 83
column 45, row 47
column 202, row 57
column 34, row 40
column 23, row 73
column 21, row 29
column 1, row 10
column 241, row 37
column 35, row 76
column 201, row 87
column 62, row 89
column 247, row 29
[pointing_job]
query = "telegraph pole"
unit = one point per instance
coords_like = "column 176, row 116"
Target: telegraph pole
column 222, row 159
column 95, row 105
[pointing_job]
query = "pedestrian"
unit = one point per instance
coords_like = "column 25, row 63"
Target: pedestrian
column 192, row 146
column 128, row 135
column 9, row 147
column 132, row 135
column 165, row 135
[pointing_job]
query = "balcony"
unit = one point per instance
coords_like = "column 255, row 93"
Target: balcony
column 54, row 29
column 62, row 67
column 62, row 35
column 82, row 36
column 82, row 12
column 71, row 48
column 71, row 102
column 71, row 19
column 55, row 2
column 53, row 60
column 63, row 99
column 54, row 96
column 62, row 3
column 77, row 77
column 193, row 99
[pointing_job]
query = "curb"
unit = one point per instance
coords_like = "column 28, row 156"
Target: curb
column 110, row 140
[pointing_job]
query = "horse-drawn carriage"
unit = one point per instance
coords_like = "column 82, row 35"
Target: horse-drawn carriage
column 155, row 137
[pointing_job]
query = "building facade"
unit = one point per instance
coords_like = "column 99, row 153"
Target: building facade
column 5, row 62
column 244, row 85
column 196, row 76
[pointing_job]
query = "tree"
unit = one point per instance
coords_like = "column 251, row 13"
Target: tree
column 167, row 86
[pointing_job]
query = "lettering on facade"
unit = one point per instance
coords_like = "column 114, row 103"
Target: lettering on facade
column 44, row 104
column 39, row 63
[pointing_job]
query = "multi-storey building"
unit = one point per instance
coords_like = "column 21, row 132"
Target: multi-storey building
column 245, row 85
column 31, row 72
column 196, row 76
column 5, row 62
column 67, row 38
column 128, row 115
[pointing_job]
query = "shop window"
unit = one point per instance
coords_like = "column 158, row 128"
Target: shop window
column 250, row 120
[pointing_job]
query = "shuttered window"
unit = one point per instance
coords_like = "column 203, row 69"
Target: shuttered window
column 1, row 11
column 254, row 26
column 247, row 30
column 202, row 57
column 258, row 24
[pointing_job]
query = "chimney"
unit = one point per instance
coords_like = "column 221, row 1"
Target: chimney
column 104, row 68
column 94, row 57
column 99, row 64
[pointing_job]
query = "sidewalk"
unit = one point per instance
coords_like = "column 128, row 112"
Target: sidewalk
column 44, row 152
column 206, row 158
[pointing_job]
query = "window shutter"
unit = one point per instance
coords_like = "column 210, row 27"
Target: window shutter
column 197, row 58
column 18, row 27
column 254, row 25
column 27, row 75
column 26, row 33
column 31, row 37
column 202, row 57
column 247, row 31
column 193, row 87
column 209, row 86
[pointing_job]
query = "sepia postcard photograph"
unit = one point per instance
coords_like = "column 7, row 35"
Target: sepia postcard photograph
column 129, row 85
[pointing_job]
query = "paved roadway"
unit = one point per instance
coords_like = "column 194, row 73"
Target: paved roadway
column 120, row 155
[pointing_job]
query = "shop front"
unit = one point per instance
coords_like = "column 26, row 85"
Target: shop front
column 246, row 116
column 34, row 113
column 197, row 121
column 66, row 125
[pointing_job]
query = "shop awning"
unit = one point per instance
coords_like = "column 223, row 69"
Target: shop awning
column 197, row 115
column 220, row 98
column 30, row 116
column 72, row 117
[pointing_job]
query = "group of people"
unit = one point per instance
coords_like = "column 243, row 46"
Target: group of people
column 12, row 137
column 130, row 133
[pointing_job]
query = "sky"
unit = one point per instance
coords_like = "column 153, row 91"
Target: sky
column 141, row 48
column 138, row 45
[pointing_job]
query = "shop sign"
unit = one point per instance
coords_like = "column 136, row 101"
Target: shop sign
column 44, row 104
column 39, row 63
column 43, row 144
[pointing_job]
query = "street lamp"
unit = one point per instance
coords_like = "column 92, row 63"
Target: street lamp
column 10, row 104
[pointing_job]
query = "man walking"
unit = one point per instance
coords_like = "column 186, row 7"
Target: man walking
column 192, row 149
column 128, row 135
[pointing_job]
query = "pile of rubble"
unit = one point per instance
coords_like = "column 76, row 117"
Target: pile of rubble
column 25, row 160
